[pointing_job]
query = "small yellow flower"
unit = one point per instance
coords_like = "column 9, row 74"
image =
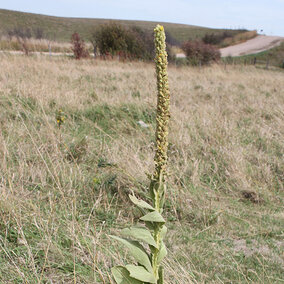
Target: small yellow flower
column 96, row 181
column 60, row 117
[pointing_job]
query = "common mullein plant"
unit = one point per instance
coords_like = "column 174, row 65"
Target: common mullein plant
column 60, row 117
column 145, row 240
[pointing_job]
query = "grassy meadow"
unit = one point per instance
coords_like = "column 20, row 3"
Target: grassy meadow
column 64, row 189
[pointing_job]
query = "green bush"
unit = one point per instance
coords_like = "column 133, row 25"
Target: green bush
column 110, row 39
column 131, row 43
column 113, row 39
column 140, row 43
column 216, row 38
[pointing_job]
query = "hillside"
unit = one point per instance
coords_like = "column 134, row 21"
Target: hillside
column 64, row 189
column 61, row 29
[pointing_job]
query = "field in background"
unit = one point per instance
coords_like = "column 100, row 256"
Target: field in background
column 61, row 29
column 62, row 190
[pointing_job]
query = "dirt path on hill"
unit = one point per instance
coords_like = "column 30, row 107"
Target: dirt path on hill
column 255, row 45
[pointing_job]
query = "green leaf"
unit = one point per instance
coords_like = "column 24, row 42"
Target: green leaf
column 122, row 276
column 150, row 226
column 140, row 273
column 163, row 231
column 162, row 253
column 141, row 234
column 153, row 217
column 137, row 251
column 140, row 203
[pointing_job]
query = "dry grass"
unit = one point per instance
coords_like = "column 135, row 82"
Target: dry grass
column 36, row 45
column 63, row 190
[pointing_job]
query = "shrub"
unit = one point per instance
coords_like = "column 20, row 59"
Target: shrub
column 132, row 43
column 216, row 38
column 110, row 39
column 228, row 37
column 140, row 43
column 113, row 39
column 198, row 52
column 78, row 47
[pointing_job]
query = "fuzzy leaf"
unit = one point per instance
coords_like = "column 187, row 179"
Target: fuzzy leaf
column 163, row 231
column 150, row 226
column 141, row 234
column 122, row 276
column 162, row 253
column 140, row 273
column 140, row 203
column 137, row 251
column 154, row 216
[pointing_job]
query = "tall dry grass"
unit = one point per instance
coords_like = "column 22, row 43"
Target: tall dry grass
column 61, row 189
column 36, row 45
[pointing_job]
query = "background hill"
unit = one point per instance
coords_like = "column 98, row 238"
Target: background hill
column 61, row 29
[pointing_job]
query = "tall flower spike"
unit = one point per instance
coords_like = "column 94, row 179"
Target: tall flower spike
column 148, row 268
column 158, row 186
column 163, row 102
column 163, row 114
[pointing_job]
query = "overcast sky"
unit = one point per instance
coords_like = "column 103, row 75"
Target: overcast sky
column 267, row 15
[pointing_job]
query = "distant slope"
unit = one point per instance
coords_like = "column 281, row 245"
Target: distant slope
column 252, row 46
column 61, row 29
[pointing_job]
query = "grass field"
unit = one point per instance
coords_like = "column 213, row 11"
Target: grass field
column 61, row 29
column 63, row 190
